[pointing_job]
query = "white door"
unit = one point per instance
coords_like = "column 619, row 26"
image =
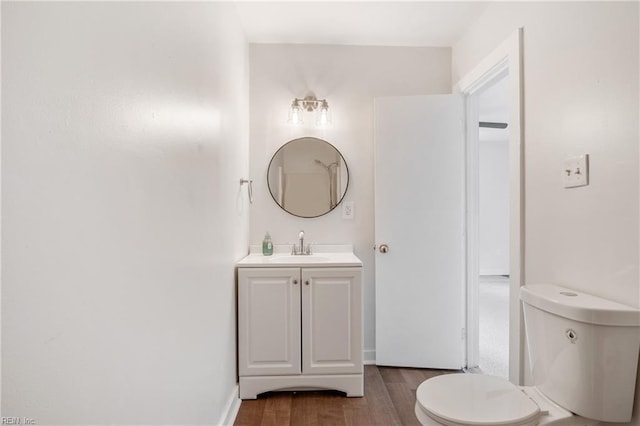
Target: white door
column 268, row 321
column 331, row 321
column 419, row 217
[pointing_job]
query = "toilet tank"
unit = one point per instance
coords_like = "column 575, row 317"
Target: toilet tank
column 583, row 350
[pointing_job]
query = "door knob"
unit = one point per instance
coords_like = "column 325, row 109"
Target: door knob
column 384, row 248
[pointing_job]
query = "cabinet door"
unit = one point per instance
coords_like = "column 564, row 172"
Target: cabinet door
column 268, row 321
column 331, row 321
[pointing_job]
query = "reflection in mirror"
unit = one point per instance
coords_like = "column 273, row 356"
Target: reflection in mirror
column 308, row 177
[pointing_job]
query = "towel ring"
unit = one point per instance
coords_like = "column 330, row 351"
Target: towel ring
column 249, row 188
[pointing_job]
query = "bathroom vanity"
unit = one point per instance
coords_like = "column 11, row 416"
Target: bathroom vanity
column 300, row 321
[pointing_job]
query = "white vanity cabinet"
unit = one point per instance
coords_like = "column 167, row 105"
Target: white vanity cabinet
column 269, row 333
column 299, row 328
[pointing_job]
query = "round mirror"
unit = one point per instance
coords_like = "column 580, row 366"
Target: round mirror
column 308, row 177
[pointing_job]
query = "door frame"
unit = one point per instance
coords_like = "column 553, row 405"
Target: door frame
column 506, row 58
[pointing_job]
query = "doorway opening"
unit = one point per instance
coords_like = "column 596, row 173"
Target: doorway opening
column 493, row 225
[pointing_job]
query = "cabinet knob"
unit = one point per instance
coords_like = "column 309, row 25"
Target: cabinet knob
column 384, row 248
column 295, row 281
column 307, row 282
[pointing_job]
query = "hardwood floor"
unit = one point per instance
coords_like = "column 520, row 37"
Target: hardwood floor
column 389, row 399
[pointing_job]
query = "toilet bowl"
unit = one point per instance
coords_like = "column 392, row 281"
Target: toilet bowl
column 577, row 379
column 476, row 399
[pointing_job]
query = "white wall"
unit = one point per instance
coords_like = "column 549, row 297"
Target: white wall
column 493, row 206
column 349, row 78
column 124, row 137
column 580, row 96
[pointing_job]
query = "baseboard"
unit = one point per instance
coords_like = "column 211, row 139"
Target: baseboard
column 231, row 409
column 369, row 357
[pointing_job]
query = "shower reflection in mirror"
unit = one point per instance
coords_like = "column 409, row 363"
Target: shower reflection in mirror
column 333, row 170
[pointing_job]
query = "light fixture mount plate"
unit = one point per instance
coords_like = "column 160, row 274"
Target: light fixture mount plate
column 310, row 103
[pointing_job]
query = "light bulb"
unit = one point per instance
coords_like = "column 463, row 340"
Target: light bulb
column 295, row 113
column 323, row 117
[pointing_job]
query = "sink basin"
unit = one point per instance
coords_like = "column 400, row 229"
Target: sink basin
column 299, row 259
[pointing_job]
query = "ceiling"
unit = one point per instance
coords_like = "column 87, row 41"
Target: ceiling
column 494, row 100
column 371, row 23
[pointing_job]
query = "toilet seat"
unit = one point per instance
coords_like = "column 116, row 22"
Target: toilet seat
column 475, row 399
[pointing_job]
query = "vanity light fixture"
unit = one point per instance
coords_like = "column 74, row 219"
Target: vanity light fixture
column 310, row 103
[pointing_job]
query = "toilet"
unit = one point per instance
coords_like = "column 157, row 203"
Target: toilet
column 583, row 352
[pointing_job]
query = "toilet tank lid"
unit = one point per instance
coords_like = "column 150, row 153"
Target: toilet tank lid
column 579, row 306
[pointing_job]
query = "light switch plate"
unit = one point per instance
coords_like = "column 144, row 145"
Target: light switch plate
column 576, row 171
column 347, row 210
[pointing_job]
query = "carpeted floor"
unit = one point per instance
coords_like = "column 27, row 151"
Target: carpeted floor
column 494, row 325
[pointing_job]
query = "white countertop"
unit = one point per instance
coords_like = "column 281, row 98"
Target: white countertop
column 323, row 255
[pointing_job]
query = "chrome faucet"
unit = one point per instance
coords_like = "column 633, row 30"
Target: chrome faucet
column 302, row 250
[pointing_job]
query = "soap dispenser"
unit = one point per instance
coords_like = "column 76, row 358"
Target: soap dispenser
column 267, row 245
